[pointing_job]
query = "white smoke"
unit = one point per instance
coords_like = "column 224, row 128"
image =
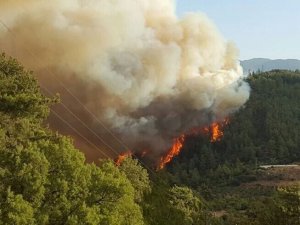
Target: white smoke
column 149, row 75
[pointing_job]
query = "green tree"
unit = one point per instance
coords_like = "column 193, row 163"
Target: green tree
column 43, row 178
column 189, row 206
column 172, row 206
column 14, row 210
column 138, row 176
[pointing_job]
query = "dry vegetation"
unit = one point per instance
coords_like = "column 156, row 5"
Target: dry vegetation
column 276, row 177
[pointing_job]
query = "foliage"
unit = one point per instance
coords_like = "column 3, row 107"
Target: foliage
column 19, row 94
column 265, row 131
column 15, row 210
column 186, row 203
column 172, row 205
column 284, row 208
column 138, row 177
column 43, row 178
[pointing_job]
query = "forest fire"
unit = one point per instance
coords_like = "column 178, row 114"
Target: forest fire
column 122, row 157
column 215, row 131
column 174, row 151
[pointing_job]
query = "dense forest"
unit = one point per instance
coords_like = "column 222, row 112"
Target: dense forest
column 265, row 131
column 44, row 179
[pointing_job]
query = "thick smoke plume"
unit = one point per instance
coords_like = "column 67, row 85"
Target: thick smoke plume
column 146, row 74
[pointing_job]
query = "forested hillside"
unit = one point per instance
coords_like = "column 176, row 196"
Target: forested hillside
column 265, row 131
column 44, row 179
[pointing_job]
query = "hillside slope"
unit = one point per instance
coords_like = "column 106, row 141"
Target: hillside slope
column 227, row 174
column 265, row 131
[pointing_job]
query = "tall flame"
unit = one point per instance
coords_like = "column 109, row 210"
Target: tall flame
column 215, row 130
column 122, row 157
column 174, row 151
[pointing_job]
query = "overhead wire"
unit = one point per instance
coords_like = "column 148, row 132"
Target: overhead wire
column 84, row 124
column 66, row 122
column 49, row 92
column 97, row 119
column 125, row 146
column 78, row 133
column 81, row 104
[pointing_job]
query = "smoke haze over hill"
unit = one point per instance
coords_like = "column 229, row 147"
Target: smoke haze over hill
column 146, row 74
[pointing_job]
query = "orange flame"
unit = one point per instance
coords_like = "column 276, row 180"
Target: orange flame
column 215, row 130
column 216, row 133
column 174, row 151
column 122, row 157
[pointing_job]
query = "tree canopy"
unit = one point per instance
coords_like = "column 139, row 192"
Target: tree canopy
column 43, row 178
column 265, row 131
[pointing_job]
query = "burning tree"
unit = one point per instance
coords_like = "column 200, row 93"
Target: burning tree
column 215, row 130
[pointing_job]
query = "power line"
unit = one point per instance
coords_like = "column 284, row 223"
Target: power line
column 97, row 119
column 81, row 104
column 75, row 116
column 63, row 120
column 78, row 133
column 74, row 96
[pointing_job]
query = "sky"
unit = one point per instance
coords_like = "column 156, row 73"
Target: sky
column 259, row 28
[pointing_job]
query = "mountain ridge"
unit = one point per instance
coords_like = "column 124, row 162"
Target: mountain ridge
column 266, row 64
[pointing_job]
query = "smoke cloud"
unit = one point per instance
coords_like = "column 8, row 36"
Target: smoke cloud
column 148, row 75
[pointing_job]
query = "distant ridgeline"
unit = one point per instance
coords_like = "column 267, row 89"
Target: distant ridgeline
column 265, row 131
column 263, row 64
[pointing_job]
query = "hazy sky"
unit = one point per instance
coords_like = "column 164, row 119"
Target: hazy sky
column 260, row 28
